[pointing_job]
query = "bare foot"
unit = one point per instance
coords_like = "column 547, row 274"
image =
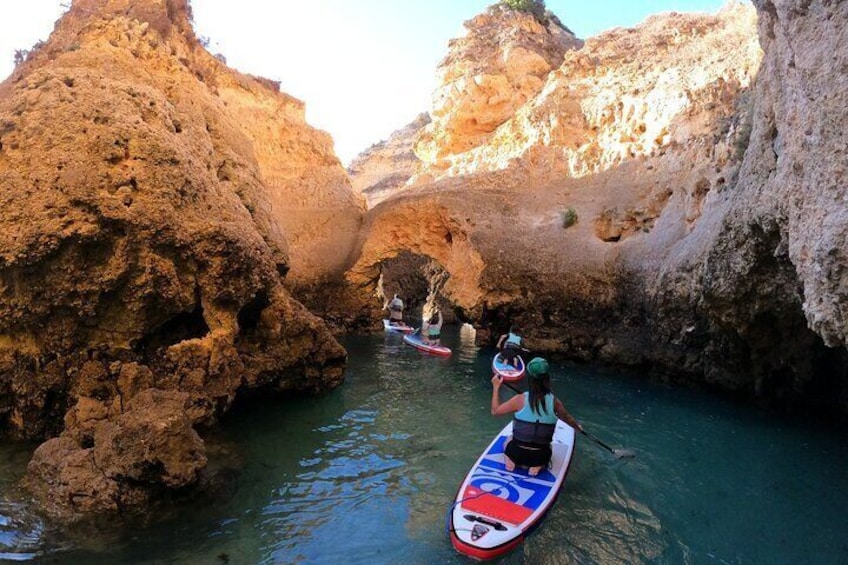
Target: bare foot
column 510, row 466
column 533, row 471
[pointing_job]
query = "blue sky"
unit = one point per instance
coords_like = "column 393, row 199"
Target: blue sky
column 363, row 67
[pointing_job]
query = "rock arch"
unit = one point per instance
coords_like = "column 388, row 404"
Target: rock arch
column 411, row 237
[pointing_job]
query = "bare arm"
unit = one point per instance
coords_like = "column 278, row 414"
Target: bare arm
column 514, row 404
column 562, row 414
column 500, row 341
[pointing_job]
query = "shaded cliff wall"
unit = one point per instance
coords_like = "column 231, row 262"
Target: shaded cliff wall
column 758, row 293
column 310, row 192
column 789, row 220
column 656, row 206
column 796, row 163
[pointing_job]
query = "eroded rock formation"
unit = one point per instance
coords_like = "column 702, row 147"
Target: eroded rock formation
column 385, row 167
column 774, row 278
column 500, row 64
column 141, row 251
column 655, row 203
column 656, row 197
column 310, row 192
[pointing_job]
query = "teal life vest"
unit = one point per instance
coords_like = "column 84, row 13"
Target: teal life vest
column 529, row 426
column 513, row 339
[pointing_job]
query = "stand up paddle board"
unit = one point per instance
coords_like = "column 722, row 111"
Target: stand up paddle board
column 389, row 327
column 415, row 341
column 496, row 509
column 506, row 371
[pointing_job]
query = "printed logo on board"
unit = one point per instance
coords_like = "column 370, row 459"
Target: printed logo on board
column 478, row 531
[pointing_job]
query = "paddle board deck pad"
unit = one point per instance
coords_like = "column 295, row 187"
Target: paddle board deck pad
column 389, row 327
column 506, row 371
column 496, row 509
column 415, row 341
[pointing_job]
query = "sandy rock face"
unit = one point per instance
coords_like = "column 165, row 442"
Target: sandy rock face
column 761, row 271
column 310, row 192
column 150, row 446
column 384, row 168
column 500, row 64
column 139, row 249
column 637, row 123
column 627, row 94
column 424, row 228
column 773, row 277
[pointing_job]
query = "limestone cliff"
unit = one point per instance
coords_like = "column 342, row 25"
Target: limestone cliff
column 385, row 167
column 141, row 251
column 773, row 276
column 654, row 204
column 500, row 63
column 310, row 192
column 795, row 168
column 627, row 94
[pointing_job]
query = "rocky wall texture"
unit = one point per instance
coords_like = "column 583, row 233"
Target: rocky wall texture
column 140, row 256
column 670, row 199
column 385, row 167
column 498, row 65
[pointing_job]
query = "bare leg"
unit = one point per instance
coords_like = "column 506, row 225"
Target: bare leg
column 508, row 463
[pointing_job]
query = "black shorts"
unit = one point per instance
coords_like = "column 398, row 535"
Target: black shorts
column 528, row 454
column 509, row 353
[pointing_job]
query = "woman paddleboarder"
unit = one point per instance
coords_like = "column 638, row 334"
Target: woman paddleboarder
column 535, row 415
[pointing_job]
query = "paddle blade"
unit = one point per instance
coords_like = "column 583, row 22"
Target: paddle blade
column 623, row 453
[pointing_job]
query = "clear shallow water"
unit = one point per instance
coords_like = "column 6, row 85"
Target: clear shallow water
column 367, row 473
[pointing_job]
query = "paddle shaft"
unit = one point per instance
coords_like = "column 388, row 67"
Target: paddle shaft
column 599, row 442
column 515, row 390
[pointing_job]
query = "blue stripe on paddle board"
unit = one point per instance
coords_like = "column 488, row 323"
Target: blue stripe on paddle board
column 517, row 487
column 526, row 492
column 519, row 474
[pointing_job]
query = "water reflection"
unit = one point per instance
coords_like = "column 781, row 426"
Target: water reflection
column 467, row 343
column 20, row 533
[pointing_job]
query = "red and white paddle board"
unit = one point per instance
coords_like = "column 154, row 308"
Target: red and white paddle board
column 496, row 509
column 506, row 371
column 415, row 341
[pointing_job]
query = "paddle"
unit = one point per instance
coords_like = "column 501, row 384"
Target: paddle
column 619, row 453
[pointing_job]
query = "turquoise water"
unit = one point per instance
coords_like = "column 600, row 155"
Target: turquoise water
column 367, row 473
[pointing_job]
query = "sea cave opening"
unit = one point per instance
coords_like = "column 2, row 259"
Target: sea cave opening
column 420, row 281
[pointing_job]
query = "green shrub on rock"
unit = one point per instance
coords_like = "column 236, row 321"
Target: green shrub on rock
column 569, row 218
column 535, row 7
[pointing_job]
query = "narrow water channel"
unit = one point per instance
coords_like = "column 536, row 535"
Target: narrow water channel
column 367, row 473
